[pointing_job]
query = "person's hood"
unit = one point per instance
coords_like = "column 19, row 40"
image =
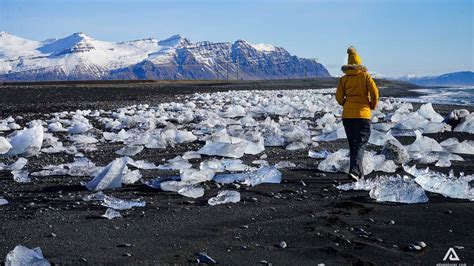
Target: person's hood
column 353, row 69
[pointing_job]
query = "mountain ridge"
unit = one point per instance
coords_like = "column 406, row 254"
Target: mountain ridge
column 82, row 57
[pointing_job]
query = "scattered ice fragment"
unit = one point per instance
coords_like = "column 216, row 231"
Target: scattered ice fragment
column 17, row 165
column 56, row 127
column 191, row 155
column 23, row 256
column 398, row 189
column 5, row 146
column 225, row 196
column 194, row 176
column 79, row 128
column 427, row 111
column 365, row 184
column 120, row 204
column 93, row 197
column 467, row 124
column 27, row 142
column 3, row 201
column 319, row 154
column 130, row 150
column 110, row 177
column 424, row 144
column 394, row 150
column 191, row 191
column 265, row 174
column 131, row 177
column 176, row 163
column 379, row 138
column 141, row 164
column 233, row 150
column 453, row 145
column 21, row 176
column 449, row 186
column 336, row 162
column 111, row 214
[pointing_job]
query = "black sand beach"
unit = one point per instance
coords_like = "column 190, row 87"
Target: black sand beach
column 319, row 223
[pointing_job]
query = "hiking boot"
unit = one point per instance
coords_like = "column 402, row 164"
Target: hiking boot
column 353, row 176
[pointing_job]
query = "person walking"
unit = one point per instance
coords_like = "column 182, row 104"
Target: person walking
column 358, row 94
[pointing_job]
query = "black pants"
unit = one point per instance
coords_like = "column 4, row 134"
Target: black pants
column 358, row 134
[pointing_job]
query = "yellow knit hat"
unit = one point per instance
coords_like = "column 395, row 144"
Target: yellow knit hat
column 353, row 58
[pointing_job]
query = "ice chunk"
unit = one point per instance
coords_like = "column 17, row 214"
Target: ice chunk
column 176, row 163
column 17, row 165
column 122, row 136
column 466, row 124
column 191, row 155
column 183, row 188
column 431, row 157
column 224, row 196
column 336, row 162
column 110, row 177
column 449, row 186
column 398, row 189
column 435, row 127
column 456, row 117
column 193, row 176
column 265, row 174
column 120, row 204
column 233, row 165
column 79, row 128
column 56, row 127
column 427, row 111
column 338, row 133
column 23, row 256
column 130, row 177
column 233, row 150
column 191, row 191
column 379, row 138
column 365, row 184
column 296, row 146
column 5, row 146
column 80, row 167
column 319, row 154
column 391, row 188
column 141, row 164
column 99, row 196
column 3, row 201
column 111, row 214
column 130, row 150
column 27, row 142
column 424, row 144
column 284, row 164
column 21, row 176
column 394, row 150
column 453, row 145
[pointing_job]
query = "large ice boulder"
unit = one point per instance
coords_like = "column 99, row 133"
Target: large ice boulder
column 27, row 142
column 459, row 187
column 394, row 150
column 110, row 177
column 424, row 144
column 23, row 256
column 5, row 146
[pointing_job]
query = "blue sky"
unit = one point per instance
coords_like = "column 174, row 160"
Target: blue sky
column 393, row 37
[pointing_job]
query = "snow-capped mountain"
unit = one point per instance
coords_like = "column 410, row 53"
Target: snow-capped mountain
column 79, row 57
column 462, row 78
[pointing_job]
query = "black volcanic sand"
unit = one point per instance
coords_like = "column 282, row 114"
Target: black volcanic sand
column 319, row 223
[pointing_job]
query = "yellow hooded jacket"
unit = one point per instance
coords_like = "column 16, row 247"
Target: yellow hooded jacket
column 356, row 90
